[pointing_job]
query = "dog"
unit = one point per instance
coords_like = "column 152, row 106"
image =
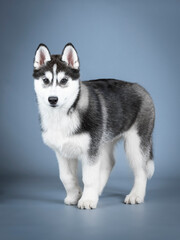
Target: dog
column 83, row 120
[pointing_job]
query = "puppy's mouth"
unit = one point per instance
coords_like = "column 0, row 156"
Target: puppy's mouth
column 53, row 105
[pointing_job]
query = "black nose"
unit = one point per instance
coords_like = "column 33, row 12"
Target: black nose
column 53, row 100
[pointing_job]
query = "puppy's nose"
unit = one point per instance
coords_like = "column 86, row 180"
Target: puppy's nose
column 53, row 100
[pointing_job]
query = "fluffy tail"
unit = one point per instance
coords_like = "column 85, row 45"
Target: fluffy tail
column 150, row 168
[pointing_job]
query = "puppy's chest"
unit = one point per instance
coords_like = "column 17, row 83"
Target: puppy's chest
column 58, row 129
column 60, row 136
column 54, row 138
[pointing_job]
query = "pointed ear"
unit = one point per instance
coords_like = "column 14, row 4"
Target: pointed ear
column 69, row 55
column 42, row 56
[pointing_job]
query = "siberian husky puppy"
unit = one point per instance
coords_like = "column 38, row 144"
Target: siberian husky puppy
column 84, row 120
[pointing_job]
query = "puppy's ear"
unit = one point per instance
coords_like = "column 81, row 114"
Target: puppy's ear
column 42, row 56
column 69, row 55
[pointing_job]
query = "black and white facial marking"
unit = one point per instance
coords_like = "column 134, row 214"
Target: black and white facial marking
column 57, row 77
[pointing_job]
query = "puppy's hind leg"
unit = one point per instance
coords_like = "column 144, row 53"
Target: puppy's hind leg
column 138, row 161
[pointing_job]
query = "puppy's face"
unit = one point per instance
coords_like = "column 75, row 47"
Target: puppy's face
column 56, row 77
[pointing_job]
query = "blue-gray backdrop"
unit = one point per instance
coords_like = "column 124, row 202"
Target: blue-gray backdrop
column 135, row 41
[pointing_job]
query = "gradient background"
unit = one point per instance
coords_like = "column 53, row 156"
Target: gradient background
column 136, row 41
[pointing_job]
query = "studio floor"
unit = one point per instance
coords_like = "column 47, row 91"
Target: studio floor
column 33, row 208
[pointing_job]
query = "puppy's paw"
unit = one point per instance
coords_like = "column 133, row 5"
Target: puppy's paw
column 134, row 198
column 87, row 203
column 72, row 199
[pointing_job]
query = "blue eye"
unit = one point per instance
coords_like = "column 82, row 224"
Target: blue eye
column 63, row 81
column 46, row 81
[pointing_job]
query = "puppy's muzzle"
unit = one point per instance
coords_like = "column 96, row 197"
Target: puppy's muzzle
column 53, row 100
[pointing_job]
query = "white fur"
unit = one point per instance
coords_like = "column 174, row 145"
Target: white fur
column 107, row 163
column 68, row 176
column 95, row 175
column 137, row 163
column 84, row 98
column 54, row 75
column 150, row 168
column 60, row 76
column 49, row 75
column 90, row 194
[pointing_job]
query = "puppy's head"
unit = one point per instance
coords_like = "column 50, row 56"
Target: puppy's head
column 56, row 77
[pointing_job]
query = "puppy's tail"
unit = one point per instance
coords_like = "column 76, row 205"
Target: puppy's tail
column 150, row 168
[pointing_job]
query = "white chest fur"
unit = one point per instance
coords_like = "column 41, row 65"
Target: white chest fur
column 58, row 133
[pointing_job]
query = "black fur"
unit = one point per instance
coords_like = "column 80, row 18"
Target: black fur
column 124, row 102
column 91, row 121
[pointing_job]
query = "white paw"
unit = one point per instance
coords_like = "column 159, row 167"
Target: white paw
column 87, row 204
column 134, row 198
column 72, row 199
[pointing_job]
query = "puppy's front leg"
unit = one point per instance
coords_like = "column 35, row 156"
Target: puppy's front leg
column 90, row 172
column 68, row 176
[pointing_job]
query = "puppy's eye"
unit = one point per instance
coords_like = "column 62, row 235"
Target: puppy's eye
column 63, row 81
column 46, row 81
